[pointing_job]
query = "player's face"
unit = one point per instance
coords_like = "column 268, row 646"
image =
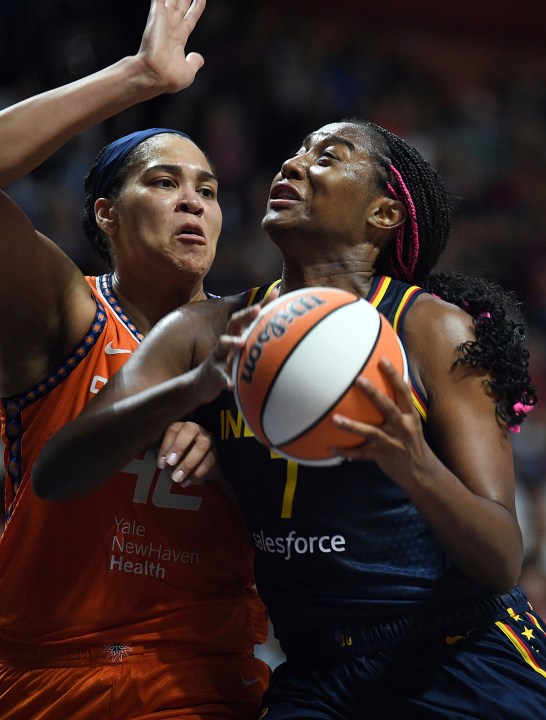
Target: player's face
column 325, row 188
column 168, row 211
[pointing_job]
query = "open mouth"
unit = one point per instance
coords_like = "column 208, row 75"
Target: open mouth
column 191, row 233
column 282, row 193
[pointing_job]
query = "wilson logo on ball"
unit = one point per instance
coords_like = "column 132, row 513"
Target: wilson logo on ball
column 298, row 366
column 276, row 328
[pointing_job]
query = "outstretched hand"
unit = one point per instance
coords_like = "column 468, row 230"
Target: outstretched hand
column 163, row 45
column 397, row 445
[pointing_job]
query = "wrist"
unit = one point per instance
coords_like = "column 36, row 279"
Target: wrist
column 138, row 79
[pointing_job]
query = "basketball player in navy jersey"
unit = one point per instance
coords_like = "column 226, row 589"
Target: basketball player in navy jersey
column 408, row 607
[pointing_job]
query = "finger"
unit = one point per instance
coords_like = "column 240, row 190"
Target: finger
column 226, row 346
column 382, row 402
column 371, row 436
column 241, row 319
column 205, row 470
column 195, row 61
column 354, row 426
column 166, row 444
column 180, row 7
column 401, row 389
column 182, row 442
column 361, row 452
column 192, row 14
column 196, row 464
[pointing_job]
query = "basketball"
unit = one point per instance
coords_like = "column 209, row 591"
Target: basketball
column 301, row 357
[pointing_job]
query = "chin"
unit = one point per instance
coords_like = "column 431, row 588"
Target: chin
column 273, row 223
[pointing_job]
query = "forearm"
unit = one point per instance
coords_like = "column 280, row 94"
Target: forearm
column 34, row 129
column 84, row 453
column 481, row 536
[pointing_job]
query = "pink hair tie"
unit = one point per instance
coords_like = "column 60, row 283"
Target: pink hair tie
column 520, row 409
column 413, row 249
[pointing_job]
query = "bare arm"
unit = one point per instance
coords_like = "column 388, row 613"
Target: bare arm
column 153, row 389
column 463, row 483
column 53, row 306
column 33, row 129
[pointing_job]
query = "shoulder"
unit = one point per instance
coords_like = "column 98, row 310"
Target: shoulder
column 435, row 319
column 186, row 335
column 202, row 316
column 435, row 331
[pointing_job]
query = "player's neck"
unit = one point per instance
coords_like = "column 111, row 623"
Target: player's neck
column 147, row 303
column 356, row 279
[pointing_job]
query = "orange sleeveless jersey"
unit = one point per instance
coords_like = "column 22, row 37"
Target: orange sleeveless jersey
column 138, row 560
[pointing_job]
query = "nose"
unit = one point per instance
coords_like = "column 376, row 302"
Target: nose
column 190, row 202
column 294, row 167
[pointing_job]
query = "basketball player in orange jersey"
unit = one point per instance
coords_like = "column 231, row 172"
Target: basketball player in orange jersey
column 138, row 600
column 390, row 580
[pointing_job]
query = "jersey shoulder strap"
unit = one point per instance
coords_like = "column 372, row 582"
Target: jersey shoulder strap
column 393, row 299
column 257, row 294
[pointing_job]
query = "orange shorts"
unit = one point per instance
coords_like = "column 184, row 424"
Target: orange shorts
column 121, row 682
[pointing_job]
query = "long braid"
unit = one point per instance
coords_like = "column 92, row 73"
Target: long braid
column 409, row 175
column 499, row 347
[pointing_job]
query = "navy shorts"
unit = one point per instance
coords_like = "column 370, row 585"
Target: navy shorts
column 495, row 671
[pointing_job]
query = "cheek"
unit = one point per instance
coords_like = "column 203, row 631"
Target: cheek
column 138, row 210
column 216, row 224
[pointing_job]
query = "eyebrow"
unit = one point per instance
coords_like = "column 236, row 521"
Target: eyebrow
column 177, row 170
column 335, row 139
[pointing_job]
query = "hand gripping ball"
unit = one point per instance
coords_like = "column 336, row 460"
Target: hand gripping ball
column 301, row 357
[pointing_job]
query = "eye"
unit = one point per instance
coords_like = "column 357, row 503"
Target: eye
column 325, row 157
column 164, row 182
column 208, row 192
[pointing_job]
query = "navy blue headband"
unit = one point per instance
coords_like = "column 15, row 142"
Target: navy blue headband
column 113, row 156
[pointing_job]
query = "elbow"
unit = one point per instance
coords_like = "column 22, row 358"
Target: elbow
column 500, row 577
column 500, row 584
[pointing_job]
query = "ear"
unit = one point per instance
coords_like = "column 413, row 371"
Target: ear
column 387, row 213
column 106, row 215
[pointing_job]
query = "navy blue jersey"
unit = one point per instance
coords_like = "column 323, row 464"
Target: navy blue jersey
column 336, row 543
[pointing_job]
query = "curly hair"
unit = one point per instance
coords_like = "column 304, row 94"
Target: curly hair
column 499, row 347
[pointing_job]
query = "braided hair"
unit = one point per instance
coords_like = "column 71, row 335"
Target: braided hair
column 98, row 239
column 499, row 347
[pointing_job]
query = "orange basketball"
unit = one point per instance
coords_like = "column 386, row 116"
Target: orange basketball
column 298, row 366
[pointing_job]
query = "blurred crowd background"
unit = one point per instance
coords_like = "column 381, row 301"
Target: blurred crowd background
column 464, row 82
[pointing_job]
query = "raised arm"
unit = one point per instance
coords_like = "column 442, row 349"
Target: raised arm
column 462, row 480
column 45, row 303
column 156, row 387
column 33, row 129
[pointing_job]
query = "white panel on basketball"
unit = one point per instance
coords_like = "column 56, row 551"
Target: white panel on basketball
column 320, row 378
